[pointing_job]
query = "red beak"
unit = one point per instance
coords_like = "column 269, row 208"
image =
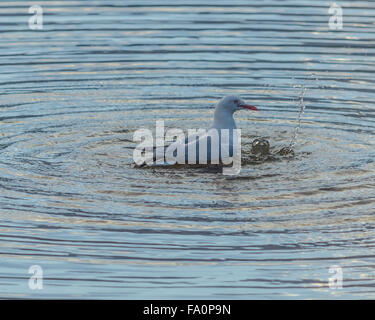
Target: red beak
column 247, row 106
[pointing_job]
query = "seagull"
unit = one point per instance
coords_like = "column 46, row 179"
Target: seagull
column 216, row 147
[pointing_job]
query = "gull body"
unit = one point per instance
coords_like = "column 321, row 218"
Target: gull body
column 223, row 119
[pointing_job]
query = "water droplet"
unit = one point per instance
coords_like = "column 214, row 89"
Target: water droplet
column 260, row 147
column 301, row 106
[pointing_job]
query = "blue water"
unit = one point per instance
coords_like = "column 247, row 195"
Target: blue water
column 72, row 202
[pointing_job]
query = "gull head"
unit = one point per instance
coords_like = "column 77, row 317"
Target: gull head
column 223, row 115
column 234, row 103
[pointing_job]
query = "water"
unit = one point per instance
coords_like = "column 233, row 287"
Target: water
column 72, row 202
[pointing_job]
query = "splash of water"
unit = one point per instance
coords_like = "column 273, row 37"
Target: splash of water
column 289, row 149
column 261, row 147
column 302, row 107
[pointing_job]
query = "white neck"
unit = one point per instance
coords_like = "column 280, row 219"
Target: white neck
column 223, row 119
